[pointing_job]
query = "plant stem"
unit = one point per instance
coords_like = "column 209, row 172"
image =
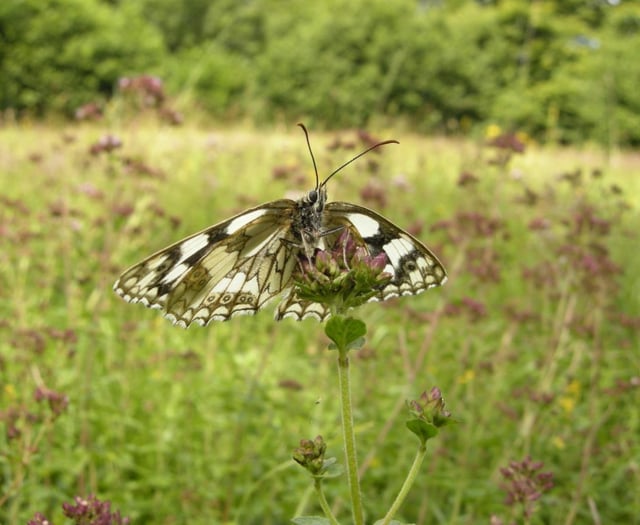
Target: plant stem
column 406, row 486
column 323, row 502
column 349, row 437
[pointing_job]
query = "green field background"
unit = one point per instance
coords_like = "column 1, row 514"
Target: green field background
column 534, row 340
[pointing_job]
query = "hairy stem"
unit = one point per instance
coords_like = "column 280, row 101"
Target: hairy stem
column 349, row 438
column 406, row 486
column 323, row 502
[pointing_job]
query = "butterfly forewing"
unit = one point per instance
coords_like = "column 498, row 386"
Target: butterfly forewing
column 232, row 268
column 413, row 267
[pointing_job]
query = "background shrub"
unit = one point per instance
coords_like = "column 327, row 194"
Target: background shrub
column 562, row 71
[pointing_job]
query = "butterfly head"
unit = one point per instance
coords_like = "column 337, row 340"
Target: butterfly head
column 316, row 198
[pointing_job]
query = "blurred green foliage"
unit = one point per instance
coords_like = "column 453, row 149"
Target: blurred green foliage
column 57, row 54
column 561, row 70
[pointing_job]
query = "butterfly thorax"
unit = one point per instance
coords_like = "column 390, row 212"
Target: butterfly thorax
column 307, row 225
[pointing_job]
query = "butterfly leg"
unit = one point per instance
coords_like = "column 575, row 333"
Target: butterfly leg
column 344, row 241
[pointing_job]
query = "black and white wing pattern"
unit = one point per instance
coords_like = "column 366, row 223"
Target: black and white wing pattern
column 239, row 265
column 232, row 268
column 414, row 268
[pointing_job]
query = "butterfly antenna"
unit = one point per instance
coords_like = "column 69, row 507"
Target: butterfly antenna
column 377, row 145
column 313, row 159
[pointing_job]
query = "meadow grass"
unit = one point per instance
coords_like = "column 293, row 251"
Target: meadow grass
column 534, row 341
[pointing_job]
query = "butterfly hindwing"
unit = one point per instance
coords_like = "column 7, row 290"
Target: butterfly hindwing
column 293, row 307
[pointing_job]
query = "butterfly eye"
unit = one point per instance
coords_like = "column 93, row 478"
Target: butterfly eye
column 313, row 196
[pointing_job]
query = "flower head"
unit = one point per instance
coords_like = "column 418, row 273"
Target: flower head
column 39, row 519
column 428, row 415
column 525, row 484
column 310, row 456
column 344, row 277
column 430, row 408
column 57, row 401
column 92, row 511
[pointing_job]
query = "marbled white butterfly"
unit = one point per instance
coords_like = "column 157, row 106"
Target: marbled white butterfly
column 239, row 265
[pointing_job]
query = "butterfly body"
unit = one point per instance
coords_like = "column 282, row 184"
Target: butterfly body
column 307, row 223
column 238, row 266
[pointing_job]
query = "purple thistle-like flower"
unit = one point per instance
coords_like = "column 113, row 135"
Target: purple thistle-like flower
column 106, row 144
column 343, row 277
column 430, row 407
column 377, row 263
column 57, row 401
column 526, row 484
column 92, row 511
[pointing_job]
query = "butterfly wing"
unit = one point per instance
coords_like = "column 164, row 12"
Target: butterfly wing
column 293, row 307
column 232, row 268
column 413, row 267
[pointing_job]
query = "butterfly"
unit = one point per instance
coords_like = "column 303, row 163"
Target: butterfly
column 241, row 264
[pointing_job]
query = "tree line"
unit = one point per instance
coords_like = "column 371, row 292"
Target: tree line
column 560, row 70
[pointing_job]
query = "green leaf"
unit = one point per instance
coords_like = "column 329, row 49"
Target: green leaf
column 356, row 344
column 310, row 520
column 346, row 332
column 332, row 469
column 425, row 431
